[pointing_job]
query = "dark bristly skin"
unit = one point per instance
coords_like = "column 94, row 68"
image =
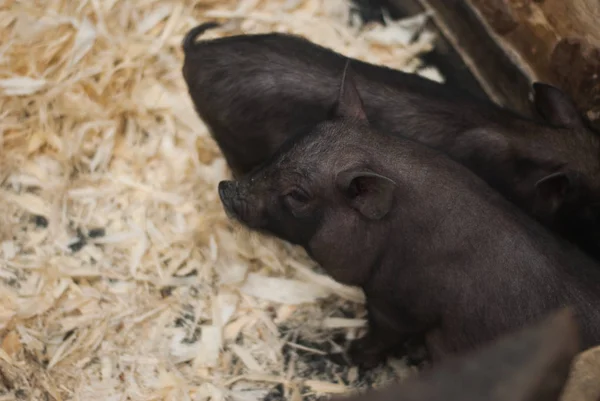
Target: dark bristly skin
column 438, row 252
column 529, row 365
column 256, row 91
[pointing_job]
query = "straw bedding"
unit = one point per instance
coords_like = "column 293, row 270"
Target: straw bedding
column 121, row 277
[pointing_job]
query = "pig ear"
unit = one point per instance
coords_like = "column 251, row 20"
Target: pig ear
column 369, row 193
column 551, row 192
column 349, row 104
column 555, row 106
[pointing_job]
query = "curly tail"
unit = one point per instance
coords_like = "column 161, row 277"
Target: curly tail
column 189, row 41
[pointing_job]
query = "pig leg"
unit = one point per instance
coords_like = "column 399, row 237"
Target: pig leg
column 387, row 332
column 416, row 352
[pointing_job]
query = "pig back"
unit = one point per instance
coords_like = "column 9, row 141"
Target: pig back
column 256, row 91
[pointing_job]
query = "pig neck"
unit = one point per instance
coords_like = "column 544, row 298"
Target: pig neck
column 435, row 121
column 416, row 102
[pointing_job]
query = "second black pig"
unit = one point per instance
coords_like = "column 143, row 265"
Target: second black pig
column 256, row 91
column 439, row 254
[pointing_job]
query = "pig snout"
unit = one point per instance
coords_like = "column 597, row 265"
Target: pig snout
column 226, row 189
column 239, row 204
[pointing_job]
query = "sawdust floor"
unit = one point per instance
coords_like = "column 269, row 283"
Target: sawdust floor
column 121, row 277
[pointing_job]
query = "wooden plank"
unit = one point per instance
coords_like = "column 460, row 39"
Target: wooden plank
column 577, row 18
column 554, row 41
column 508, row 44
column 499, row 76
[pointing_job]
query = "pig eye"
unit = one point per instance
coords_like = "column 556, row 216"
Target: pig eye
column 298, row 196
column 297, row 202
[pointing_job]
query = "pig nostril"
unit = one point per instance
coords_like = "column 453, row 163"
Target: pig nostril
column 221, row 189
column 228, row 195
column 225, row 189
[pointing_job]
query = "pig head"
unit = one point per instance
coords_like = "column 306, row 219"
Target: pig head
column 322, row 200
column 257, row 91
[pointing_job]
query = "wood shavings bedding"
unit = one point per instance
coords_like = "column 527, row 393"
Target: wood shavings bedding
column 120, row 275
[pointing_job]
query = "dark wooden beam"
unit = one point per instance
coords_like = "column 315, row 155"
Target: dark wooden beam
column 508, row 44
column 463, row 35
